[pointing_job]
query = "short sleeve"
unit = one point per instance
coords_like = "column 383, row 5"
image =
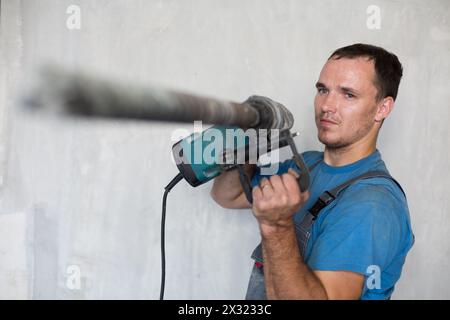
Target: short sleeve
column 363, row 229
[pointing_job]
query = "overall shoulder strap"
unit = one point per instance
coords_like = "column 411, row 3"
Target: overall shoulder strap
column 311, row 168
column 330, row 195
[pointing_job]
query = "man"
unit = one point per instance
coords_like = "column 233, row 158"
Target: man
column 356, row 246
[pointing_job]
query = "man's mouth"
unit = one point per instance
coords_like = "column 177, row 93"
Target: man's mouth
column 327, row 122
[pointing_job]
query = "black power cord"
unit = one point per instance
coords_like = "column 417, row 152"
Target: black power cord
column 169, row 187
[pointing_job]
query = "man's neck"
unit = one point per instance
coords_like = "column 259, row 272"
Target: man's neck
column 337, row 157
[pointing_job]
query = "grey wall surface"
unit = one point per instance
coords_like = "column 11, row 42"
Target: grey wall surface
column 84, row 199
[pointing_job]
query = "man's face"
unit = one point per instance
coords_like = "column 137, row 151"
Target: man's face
column 345, row 103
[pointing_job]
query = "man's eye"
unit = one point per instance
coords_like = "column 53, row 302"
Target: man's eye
column 322, row 90
column 349, row 95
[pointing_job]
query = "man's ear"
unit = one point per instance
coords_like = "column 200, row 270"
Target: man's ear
column 385, row 106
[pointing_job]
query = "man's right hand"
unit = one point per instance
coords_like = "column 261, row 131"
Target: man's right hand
column 227, row 190
column 276, row 200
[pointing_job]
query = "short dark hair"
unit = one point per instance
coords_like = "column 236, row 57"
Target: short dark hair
column 388, row 68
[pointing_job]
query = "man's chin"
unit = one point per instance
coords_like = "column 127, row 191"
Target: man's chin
column 331, row 144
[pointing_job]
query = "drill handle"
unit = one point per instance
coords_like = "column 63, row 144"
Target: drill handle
column 303, row 179
column 245, row 182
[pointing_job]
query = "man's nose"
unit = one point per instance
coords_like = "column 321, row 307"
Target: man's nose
column 329, row 103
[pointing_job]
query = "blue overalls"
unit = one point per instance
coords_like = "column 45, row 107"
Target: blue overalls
column 256, row 288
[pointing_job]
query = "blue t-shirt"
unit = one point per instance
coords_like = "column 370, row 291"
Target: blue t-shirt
column 365, row 230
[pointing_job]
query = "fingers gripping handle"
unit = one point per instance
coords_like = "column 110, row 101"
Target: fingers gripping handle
column 303, row 179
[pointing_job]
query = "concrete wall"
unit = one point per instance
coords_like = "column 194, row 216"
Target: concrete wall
column 82, row 200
